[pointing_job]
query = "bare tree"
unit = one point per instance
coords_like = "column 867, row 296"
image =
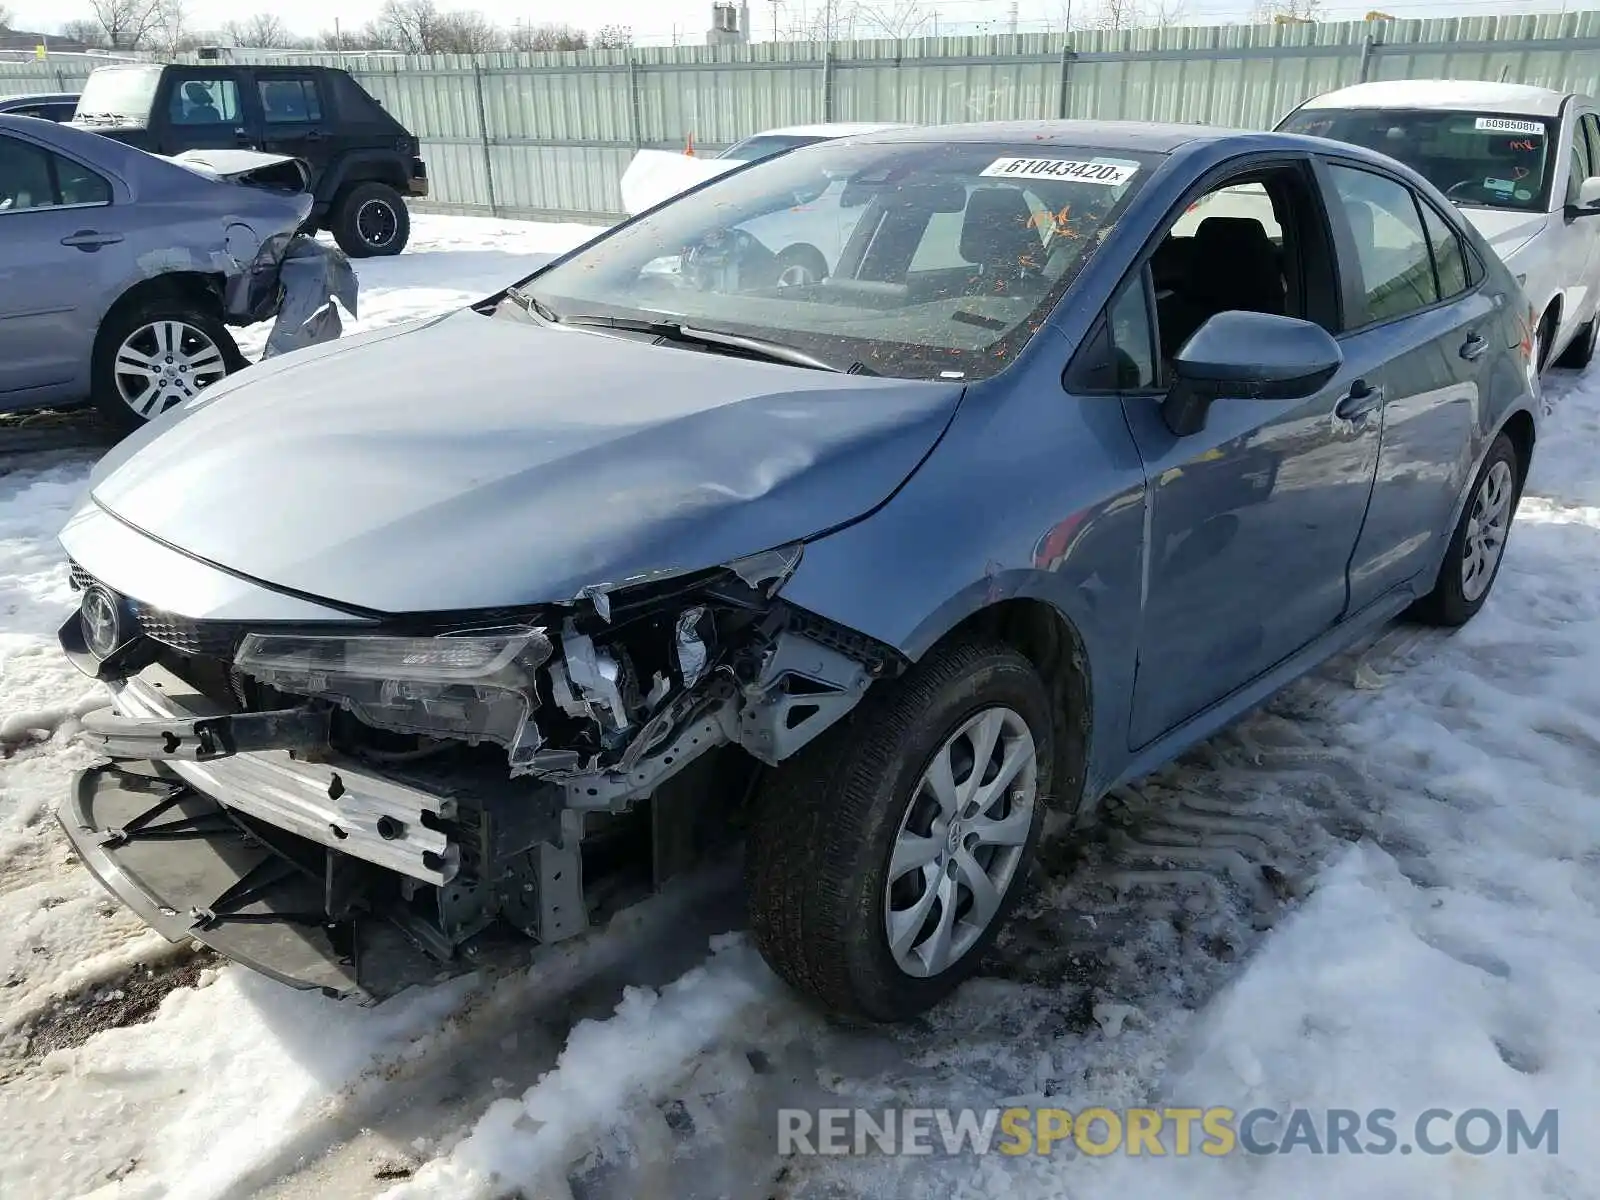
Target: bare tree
column 84, row 29
column 896, row 18
column 827, row 21
column 5, row 17
column 1286, row 12
column 265, row 31
column 126, row 24
column 1118, row 14
column 1165, row 13
column 409, row 25
column 613, row 37
column 548, row 37
column 171, row 34
column 466, row 31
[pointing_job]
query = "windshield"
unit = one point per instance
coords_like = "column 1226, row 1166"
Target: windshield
column 1478, row 160
column 916, row 259
column 119, row 92
column 765, row 145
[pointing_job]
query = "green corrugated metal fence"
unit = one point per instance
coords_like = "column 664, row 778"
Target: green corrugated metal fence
column 549, row 135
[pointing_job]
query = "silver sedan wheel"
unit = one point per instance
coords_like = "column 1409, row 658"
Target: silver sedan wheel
column 165, row 362
column 960, row 841
column 1487, row 525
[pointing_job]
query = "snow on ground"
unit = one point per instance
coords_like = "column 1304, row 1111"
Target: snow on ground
column 1379, row 892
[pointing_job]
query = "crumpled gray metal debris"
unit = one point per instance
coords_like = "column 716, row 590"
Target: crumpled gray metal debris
column 313, row 275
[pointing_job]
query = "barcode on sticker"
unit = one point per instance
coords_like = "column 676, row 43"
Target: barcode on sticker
column 1508, row 125
column 1111, row 174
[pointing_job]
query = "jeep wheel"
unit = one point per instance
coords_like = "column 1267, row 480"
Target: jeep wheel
column 884, row 857
column 371, row 221
column 153, row 354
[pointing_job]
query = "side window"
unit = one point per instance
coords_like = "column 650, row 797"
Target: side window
column 1119, row 353
column 1132, row 340
column 940, row 247
column 80, row 185
column 1391, row 247
column 1582, row 163
column 24, row 176
column 290, row 101
column 205, row 102
column 1449, row 257
column 1591, row 133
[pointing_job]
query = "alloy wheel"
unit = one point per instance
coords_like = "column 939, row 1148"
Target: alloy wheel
column 376, row 223
column 1487, row 525
column 163, row 363
column 960, row 841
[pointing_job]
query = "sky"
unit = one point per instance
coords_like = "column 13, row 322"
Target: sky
column 661, row 21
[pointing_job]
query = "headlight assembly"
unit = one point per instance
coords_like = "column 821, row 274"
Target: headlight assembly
column 474, row 685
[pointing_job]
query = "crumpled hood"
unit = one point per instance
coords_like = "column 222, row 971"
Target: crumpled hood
column 476, row 462
column 1506, row 232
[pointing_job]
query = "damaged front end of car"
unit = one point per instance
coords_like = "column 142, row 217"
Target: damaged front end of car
column 363, row 807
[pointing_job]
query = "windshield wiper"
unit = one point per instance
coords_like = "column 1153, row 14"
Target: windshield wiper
column 691, row 335
column 528, row 302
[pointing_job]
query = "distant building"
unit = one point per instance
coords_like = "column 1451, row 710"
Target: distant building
column 730, row 24
column 21, row 39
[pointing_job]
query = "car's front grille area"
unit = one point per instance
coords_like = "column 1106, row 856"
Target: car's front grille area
column 213, row 639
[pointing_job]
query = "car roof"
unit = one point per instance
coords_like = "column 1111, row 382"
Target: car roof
column 1148, row 136
column 831, row 129
column 40, row 98
column 1515, row 99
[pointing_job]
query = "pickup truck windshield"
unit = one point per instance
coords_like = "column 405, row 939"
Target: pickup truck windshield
column 1477, row 159
column 119, row 92
column 920, row 260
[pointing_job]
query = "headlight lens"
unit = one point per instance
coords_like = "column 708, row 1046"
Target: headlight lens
column 472, row 685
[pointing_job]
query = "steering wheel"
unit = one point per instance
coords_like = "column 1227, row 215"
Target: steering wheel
column 718, row 259
column 1450, row 192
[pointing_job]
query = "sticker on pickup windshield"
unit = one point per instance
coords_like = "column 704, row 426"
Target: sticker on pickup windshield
column 1508, row 125
column 1103, row 171
column 1499, row 185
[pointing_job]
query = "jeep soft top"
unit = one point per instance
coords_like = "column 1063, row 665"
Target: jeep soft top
column 363, row 162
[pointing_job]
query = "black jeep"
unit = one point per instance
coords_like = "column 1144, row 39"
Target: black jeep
column 363, row 161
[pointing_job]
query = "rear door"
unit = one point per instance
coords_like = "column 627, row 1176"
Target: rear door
column 1418, row 330
column 295, row 116
column 57, row 233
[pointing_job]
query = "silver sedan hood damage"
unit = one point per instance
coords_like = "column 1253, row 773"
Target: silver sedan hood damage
column 478, row 462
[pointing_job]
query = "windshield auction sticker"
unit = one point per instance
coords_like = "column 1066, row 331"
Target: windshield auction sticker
column 1111, row 174
column 1508, row 125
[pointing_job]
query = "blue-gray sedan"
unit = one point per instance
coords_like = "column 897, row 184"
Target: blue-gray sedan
column 1092, row 437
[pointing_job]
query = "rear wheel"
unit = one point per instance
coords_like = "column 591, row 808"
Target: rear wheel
column 1473, row 559
column 884, row 857
column 156, row 353
column 370, row 221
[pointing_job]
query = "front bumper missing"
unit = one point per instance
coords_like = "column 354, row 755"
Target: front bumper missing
column 191, row 869
column 334, row 802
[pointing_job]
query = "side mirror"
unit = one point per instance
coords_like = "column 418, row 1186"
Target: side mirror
column 1247, row 355
column 1588, row 204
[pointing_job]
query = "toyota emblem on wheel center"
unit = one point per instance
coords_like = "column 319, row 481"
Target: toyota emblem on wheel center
column 101, row 622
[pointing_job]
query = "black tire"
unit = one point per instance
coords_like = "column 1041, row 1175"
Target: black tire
column 802, row 258
column 1448, row 605
column 824, row 825
column 371, row 221
column 1547, row 336
column 1581, row 349
column 124, row 321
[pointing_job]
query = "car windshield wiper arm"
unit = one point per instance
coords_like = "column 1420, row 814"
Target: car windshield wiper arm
column 760, row 347
column 531, row 303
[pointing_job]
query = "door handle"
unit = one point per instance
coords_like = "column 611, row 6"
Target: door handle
column 1473, row 346
column 313, row 135
column 1360, row 400
column 90, row 240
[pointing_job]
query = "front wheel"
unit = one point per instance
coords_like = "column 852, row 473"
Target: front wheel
column 884, row 857
column 371, row 221
column 1472, row 560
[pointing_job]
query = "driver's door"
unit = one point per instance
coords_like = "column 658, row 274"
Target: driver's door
column 1252, row 520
